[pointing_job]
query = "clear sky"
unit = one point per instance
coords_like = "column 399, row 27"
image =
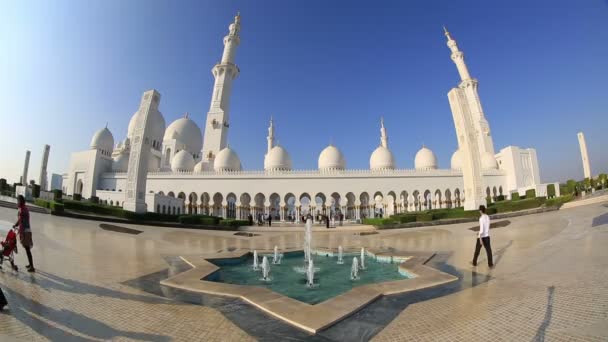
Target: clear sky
column 326, row 70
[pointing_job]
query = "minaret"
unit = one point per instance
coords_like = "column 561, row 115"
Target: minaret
column 42, row 180
column 270, row 137
column 216, row 127
column 463, row 99
column 383, row 136
column 135, row 188
column 469, row 85
column 26, row 166
column 584, row 155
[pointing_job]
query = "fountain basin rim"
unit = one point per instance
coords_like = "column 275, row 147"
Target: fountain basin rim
column 311, row 318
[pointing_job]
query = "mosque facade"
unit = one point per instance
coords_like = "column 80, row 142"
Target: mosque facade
column 176, row 169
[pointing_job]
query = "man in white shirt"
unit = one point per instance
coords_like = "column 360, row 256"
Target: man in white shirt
column 483, row 237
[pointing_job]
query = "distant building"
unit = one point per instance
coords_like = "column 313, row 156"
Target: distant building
column 56, row 181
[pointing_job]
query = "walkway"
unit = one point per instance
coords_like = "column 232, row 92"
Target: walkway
column 550, row 283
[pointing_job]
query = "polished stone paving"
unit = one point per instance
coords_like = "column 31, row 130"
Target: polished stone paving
column 550, row 283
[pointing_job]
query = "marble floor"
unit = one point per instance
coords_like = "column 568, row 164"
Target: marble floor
column 92, row 284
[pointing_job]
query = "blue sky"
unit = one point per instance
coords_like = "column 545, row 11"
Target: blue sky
column 326, row 70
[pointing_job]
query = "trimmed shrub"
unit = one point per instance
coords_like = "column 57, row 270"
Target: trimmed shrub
column 515, row 196
column 56, row 207
column 424, row 217
column 77, row 197
column 378, row 221
column 3, row 184
column 559, row 201
column 524, row 204
column 200, row 219
column 234, row 223
column 94, row 199
column 42, row 203
column 551, row 190
column 58, row 194
column 407, row 218
column 35, row 190
column 531, row 193
column 500, row 198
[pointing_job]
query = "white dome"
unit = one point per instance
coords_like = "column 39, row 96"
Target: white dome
column 182, row 161
column 227, row 160
column 425, row 159
column 187, row 133
column 157, row 125
column 382, row 159
column 103, row 140
column 488, row 161
column 331, row 159
column 277, row 159
column 121, row 163
column 456, row 161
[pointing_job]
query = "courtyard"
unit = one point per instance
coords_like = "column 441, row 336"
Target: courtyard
column 94, row 284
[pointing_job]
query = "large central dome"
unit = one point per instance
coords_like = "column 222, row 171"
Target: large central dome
column 187, row 133
column 331, row 159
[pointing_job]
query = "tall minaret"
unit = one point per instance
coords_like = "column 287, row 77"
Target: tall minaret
column 584, row 154
column 383, row 136
column 270, row 137
column 469, row 85
column 42, row 180
column 466, row 112
column 26, row 166
column 216, row 127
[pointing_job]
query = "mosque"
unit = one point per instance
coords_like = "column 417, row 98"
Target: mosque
column 176, row 169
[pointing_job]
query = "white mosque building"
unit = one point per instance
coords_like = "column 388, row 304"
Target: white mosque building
column 176, row 169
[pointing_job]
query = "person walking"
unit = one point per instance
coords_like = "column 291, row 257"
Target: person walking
column 25, row 231
column 483, row 237
column 269, row 219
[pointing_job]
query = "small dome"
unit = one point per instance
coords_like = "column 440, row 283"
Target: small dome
column 121, row 163
column 456, row 161
column 182, row 161
column 331, row 159
column 202, row 166
column 157, row 125
column 425, row 159
column 187, row 133
column 488, row 161
column 277, row 159
column 382, row 159
column 103, row 140
column 227, row 160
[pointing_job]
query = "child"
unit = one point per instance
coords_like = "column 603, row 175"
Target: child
column 9, row 245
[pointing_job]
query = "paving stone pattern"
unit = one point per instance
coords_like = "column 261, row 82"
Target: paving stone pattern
column 550, row 283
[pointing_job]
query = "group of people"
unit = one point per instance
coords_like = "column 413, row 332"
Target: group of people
column 9, row 245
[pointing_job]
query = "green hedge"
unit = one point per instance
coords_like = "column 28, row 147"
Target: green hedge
column 103, row 209
column 77, row 197
column 379, row 221
column 199, row 219
column 515, row 196
column 559, row 201
column 234, row 223
column 530, row 193
column 405, row 218
column 507, row 206
column 55, row 207
column 551, row 190
column 424, row 217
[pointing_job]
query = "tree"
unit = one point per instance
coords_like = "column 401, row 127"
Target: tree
column 571, row 186
column 587, row 184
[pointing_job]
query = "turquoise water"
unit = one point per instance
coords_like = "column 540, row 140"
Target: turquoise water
column 331, row 279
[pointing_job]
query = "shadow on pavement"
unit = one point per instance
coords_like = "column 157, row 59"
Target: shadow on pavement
column 600, row 220
column 540, row 333
column 48, row 281
column 35, row 315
